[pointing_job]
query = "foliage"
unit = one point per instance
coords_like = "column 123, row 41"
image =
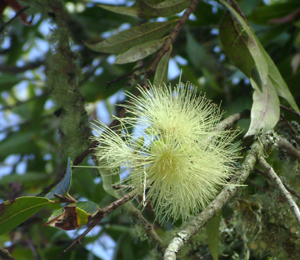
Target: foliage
column 65, row 63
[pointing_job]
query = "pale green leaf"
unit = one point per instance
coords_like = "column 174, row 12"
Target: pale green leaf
column 13, row 213
column 265, row 110
column 212, row 230
column 126, row 10
column 161, row 72
column 163, row 9
column 108, row 180
column 140, row 51
column 134, row 36
column 278, row 82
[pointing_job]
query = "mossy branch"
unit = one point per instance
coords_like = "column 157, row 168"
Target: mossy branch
column 279, row 185
column 216, row 205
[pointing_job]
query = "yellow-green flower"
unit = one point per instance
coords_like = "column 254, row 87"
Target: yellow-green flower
column 170, row 149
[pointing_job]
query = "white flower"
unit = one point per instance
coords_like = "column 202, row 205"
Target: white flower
column 174, row 152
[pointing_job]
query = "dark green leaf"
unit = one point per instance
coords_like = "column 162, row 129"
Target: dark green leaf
column 13, row 213
column 134, row 36
column 161, row 73
column 140, row 51
column 7, row 81
column 63, row 186
column 234, row 46
column 266, row 13
column 245, row 32
column 212, row 230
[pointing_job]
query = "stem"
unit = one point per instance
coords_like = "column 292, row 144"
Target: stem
column 279, row 185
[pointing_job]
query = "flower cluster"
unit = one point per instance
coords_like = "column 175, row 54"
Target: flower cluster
column 170, row 149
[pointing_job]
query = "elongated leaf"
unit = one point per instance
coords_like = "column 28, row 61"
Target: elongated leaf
column 126, row 10
column 250, row 42
column 140, row 51
column 265, row 109
column 234, row 46
column 13, row 213
column 212, row 230
column 7, row 81
column 161, row 73
column 63, row 187
column 17, row 142
column 163, row 9
column 108, row 180
column 73, row 216
column 134, row 36
column 278, row 82
column 29, row 177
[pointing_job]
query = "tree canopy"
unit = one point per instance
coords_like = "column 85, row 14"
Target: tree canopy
column 67, row 191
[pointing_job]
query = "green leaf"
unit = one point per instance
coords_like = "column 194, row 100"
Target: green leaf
column 278, row 82
column 264, row 14
column 73, row 216
column 13, row 213
column 140, row 51
column 30, row 177
column 134, row 36
column 265, row 110
column 161, row 72
column 249, row 39
column 17, row 143
column 199, row 56
column 7, row 81
column 163, row 9
column 234, row 46
column 108, row 180
column 212, row 230
column 131, row 10
column 63, row 186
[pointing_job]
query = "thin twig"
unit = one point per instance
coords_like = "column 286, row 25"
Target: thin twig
column 5, row 255
column 138, row 218
column 17, row 69
column 216, row 205
column 99, row 216
column 294, row 193
column 279, row 185
column 12, row 19
column 171, row 38
column 125, row 76
column 19, row 103
column 289, row 110
column 284, row 144
column 233, row 119
column 295, row 133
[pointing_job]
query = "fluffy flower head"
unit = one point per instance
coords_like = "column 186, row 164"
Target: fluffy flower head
column 174, row 152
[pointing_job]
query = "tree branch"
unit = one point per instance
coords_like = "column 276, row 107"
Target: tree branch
column 138, row 218
column 17, row 69
column 216, row 205
column 5, row 255
column 171, row 38
column 279, row 185
column 288, row 147
column 259, row 171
